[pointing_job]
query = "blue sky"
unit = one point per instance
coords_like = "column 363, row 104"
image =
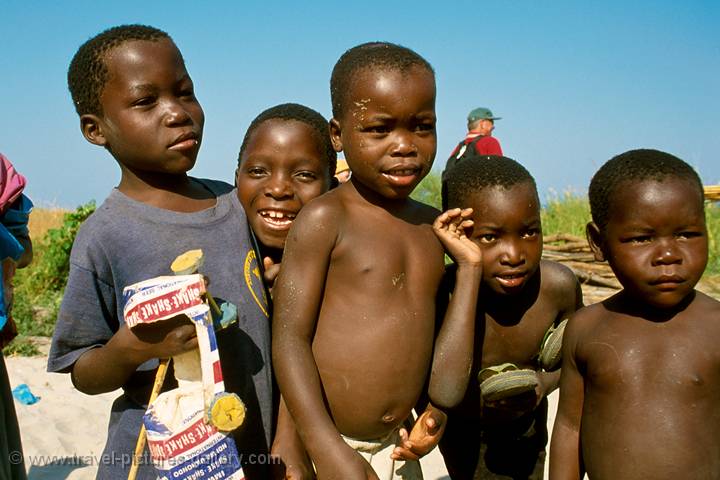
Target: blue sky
column 575, row 82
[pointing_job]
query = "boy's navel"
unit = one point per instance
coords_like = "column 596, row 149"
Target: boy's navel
column 388, row 418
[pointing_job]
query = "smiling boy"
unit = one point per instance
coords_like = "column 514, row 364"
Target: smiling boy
column 136, row 99
column 286, row 159
column 640, row 386
column 354, row 310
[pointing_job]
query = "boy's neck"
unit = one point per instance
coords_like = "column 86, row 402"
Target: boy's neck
column 625, row 303
column 510, row 308
column 374, row 198
column 178, row 193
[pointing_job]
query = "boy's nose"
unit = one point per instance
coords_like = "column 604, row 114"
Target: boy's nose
column 278, row 186
column 666, row 254
column 513, row 255
column 404, row 144
column 176, row 114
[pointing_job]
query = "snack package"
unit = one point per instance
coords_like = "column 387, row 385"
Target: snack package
column 188, row 428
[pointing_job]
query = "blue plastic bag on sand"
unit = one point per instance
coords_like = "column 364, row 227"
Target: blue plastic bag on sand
column 22, row 394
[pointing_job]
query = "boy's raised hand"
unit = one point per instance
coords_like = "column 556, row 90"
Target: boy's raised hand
column 424, row 436
column 451, row 228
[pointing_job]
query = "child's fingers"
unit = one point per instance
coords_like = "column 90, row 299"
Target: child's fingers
column 430, row 423
column 445, row 217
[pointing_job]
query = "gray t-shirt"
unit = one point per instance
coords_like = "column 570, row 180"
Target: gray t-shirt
column 126, row 241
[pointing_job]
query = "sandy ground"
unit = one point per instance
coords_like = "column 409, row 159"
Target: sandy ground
column 63, row 434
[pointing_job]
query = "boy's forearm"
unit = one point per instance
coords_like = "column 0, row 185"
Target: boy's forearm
column 286, row 435
column 300, row 385
column 453, row 356
column 565, row 453
column 287, row 443
column 106, row 368
column 550, row 381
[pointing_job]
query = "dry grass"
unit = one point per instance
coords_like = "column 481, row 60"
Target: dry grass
column 43, row 219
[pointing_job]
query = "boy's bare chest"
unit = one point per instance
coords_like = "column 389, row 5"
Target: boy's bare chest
column 505, row 340
column 642, row 355
column 397, row 248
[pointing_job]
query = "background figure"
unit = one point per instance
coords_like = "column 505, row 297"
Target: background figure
column 480, row 124
column 15, row 252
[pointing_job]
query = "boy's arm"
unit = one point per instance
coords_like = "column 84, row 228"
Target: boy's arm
column 549, row 381
column 287, row 445
column 297, row 298
column 565, row 450
column 453, row 354
column 108, row 367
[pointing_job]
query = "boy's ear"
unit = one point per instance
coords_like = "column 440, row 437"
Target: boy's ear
column 335, row 132
column 91, row 128
column 594, row 238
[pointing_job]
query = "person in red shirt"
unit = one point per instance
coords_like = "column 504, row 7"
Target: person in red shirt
column 481, row 123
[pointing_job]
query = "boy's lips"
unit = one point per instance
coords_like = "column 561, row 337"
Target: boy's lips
column 185, row 141
column 402, row 175
column 277, row 219
column 667, row 282
column 511, row 279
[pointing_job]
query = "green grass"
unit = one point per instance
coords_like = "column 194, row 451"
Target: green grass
column 39, row 287
column 712, row 215
column 565, row 213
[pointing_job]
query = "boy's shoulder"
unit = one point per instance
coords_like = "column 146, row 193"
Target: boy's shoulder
column 217, row 187
column 120, row 222
column 559, row 284
column 342, row 203
column 556, row 275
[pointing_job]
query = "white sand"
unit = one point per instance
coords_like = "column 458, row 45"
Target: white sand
column 64, row 433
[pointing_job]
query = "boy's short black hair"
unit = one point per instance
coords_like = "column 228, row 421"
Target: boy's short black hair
column 88, row 72
column 298, row 113
column 636, row 166
column 369, row 55
column 476, row 172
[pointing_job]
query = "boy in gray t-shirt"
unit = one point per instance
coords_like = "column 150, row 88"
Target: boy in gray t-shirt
column 138, row 103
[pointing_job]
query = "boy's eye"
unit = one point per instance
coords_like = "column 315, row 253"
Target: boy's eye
column 425, row 127
column 531, row 233
column 377, row 129
column 256, row 171
column 487, row 238
column 639, row 239
column 688, row 234
column 187, row 92
column 306, row 176
column 144, row 101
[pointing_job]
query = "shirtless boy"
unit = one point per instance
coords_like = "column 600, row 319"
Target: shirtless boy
column 520, row 297
column 355, row 300
column 640, row 387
